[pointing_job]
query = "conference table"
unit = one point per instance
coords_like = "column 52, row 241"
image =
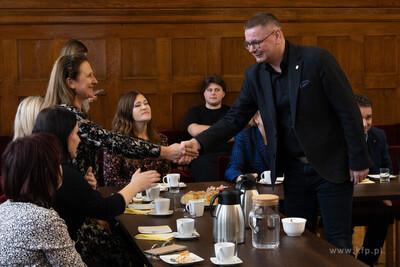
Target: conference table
column 305, row 250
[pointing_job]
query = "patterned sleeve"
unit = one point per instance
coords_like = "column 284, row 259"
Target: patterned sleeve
column 129, row 147
column 236, row 163
column 60, row 249
column 114, row 170
column 165, row 166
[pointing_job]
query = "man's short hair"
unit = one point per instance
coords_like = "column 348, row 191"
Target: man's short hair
column 263, row 19
column 213, row 79
column 363, row 101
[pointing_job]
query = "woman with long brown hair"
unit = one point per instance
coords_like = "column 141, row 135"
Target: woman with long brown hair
column 133, row 118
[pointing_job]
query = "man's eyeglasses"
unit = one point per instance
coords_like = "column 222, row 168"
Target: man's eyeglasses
column 256, row 44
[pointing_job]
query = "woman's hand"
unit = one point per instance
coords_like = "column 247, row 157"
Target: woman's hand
column 90, row 178
column 140, row 181
column 144, row 180
column 104, row 224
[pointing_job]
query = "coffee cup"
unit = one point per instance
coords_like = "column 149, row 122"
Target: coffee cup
column 185, row 226
column 266, row 177
column 153, row 192
column 172, row 180
column 224, row 251
column 162, row 205
column 196, row 207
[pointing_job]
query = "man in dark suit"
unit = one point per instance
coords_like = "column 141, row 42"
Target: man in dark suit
column 312, row 123
column 377, row 223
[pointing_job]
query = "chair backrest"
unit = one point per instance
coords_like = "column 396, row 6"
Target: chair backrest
column 4, row 140
column 2, row 196
column 391, row 133
column 175, row 136
column 394, row 153
column 222, row 163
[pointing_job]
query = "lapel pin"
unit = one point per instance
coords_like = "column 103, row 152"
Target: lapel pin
column 297, row 67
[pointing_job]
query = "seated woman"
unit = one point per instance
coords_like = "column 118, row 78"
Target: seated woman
column 76, row 200
column 133, row 118
column 26, row 115
column 32, row 233
column 71, row 83
column 249, row 153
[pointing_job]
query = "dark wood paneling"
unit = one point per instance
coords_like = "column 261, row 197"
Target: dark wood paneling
column 165, row 49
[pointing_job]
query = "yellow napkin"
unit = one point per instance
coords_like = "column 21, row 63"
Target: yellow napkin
column 132, row 211
column 367, row 181
column 160, row 237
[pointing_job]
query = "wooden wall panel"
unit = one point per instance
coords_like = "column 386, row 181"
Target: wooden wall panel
column 138, row 58
column 165, row 49
column 34, row 59
column 235, row 58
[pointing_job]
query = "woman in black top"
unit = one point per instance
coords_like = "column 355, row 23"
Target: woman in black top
column 76, row 199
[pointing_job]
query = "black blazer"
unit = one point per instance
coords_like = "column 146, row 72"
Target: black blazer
column 327, row 120
column 378, row 150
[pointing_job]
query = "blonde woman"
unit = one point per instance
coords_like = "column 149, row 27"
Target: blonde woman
column 71, row 83
column 26, row 115
column 72, row 47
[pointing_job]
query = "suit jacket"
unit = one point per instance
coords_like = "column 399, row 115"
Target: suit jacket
column 326, row 118
column 378, row 150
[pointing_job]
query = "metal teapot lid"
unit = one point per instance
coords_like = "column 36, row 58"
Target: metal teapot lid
column 265, row 200
column 229, row 196
column 248, row 182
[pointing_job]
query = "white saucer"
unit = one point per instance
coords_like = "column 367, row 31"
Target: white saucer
column 264, row 183
column 235, row 261
column 153, row 212
column 181, row 185
column 145, row 199
column 193, row 236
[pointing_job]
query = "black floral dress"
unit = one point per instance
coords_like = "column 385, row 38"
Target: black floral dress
column 118, row 170
column 94, row 137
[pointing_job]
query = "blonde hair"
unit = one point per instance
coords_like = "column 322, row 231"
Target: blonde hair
column 26, row 115
column 73, row 47
column 58, row 92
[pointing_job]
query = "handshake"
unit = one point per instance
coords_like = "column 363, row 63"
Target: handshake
column 182, row 153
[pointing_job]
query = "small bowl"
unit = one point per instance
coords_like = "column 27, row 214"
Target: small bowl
column 294, row 226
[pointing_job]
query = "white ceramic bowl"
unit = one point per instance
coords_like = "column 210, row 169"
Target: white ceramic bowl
column 294, row 226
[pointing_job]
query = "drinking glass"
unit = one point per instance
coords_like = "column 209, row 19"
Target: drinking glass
column 384, row 175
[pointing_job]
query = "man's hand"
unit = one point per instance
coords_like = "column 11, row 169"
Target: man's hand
column 357, row 176
column 176, row 154
column 190, row 146
column 190, row 150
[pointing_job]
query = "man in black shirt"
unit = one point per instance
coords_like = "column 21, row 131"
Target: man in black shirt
column 199, row 119
column 312, row 123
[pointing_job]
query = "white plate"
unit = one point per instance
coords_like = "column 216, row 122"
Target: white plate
column 235, row 261
column 161, row 229
column 194, row 258
column 377, row 176
column 163, row 214
column 276, row 182
column 181, row 184
column 194, row 235
column 162, row 187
